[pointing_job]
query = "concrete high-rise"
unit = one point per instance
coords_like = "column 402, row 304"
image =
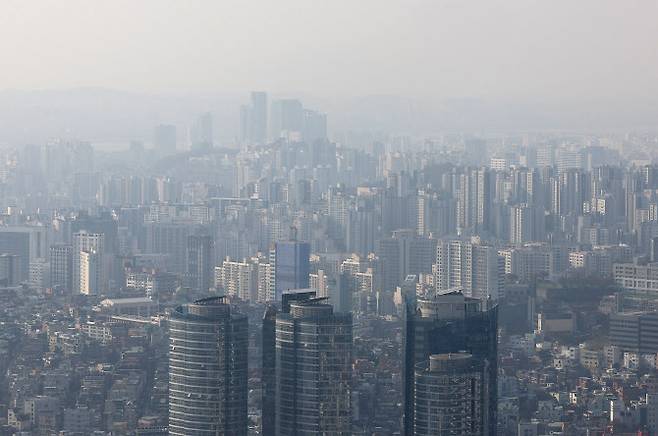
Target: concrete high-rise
column 92, row 273
column 207, row 369
column 9, row 269
column 90, row 264
column 451, row 323
column 61, row 267
column 474, row 200
column 17, row 244
column 313, row 370
column 238, row 279
column 405, row 253
column 104, row 224
column 521, row 224
column 27, row 243
column 471, row 267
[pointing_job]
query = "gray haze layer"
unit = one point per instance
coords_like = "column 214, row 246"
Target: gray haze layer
column 440, row 64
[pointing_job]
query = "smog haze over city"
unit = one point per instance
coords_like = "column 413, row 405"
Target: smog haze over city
column 314, row 218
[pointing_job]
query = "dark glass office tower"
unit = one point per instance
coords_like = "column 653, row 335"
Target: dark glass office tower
column 448, row 398
column 207, row 369
column 291, row 266
column 313, row 370
column 268, row 417
column 452, row 323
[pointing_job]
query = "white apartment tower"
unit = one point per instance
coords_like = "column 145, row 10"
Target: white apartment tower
column 475, row 269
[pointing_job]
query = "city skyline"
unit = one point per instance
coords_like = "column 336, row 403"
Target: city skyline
column 293, row 218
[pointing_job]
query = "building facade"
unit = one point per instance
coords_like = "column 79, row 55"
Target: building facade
column 452, row 323
column 313, row 370
column 207, row 369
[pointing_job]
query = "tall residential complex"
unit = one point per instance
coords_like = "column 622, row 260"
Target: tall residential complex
column 474, row 268
column 61, row 267
column 405, row 253
column 474, row 200
column 207, row 369
column 90, row 264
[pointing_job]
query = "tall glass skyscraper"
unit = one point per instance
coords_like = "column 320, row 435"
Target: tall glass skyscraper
column 207, row 369
column 313, row 369
column 269, row 356
column 291, row 266
column 448, row 398
column 452, row 323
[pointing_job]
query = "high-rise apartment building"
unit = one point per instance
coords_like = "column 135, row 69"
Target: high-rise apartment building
column 238, row 279
column 61, row 267
column 17, row 244
column 92, row 273
column 90, row 264
column 521, row 224
column 405, row 253
column 474, row 200
column 169, row 239
column 469, row 266
column 451, row 323
column 9, row 269
column 207, row 369
column 27, row 243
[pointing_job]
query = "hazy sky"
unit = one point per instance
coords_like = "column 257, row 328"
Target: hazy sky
column 464, row 48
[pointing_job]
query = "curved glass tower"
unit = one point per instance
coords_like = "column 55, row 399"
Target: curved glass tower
column 207, row 369
column 448, row 399
column 313, row 370
column 452, row 323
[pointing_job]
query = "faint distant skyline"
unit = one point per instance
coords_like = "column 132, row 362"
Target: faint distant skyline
column 111, row 118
